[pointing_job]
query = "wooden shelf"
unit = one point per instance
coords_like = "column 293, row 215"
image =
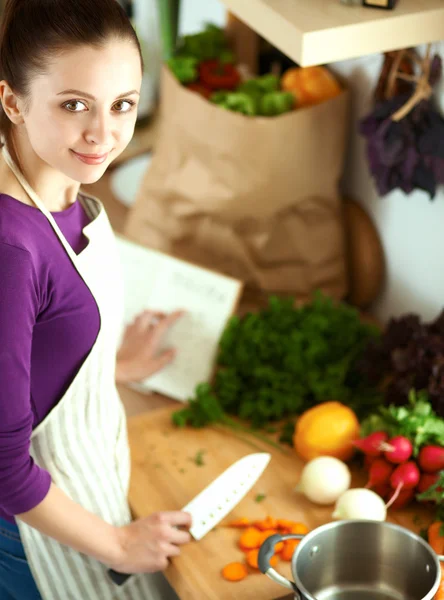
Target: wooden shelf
column 313, row 32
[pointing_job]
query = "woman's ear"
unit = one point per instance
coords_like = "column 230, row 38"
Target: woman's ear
column 11, row 103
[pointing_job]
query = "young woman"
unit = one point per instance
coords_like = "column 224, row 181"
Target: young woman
column 70, row 80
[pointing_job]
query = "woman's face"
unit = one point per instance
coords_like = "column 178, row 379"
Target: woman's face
column 82, row 112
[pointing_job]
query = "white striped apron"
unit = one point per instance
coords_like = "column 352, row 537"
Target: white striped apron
column 83, row 440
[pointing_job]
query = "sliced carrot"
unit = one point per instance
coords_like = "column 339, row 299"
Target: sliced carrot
column 240, row 523
column 250, row 539
column 234, row 571
column 285, row 523
column 265, row 524
column 440, row 593
column 299, row 528
column 288, row 549
column 436, row 540
column 267, row 534
column 251, row 558
column 274, row 560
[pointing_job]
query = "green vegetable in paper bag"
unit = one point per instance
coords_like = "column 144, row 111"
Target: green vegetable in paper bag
column 184, row 68
column 276, row 103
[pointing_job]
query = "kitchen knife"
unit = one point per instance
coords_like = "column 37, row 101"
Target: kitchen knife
column 211, row 505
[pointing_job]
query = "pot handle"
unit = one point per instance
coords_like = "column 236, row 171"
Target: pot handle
column 265, row 554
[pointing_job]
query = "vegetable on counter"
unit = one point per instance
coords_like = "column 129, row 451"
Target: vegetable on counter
column 328, row 429
column 435, row 536
column 416, row 421
column 435, row 494
column 409, row 355
column 276, row 363
column 234, row 571
column 252, row 537
column 404, row 450
column 360, row 503
column 324, row 479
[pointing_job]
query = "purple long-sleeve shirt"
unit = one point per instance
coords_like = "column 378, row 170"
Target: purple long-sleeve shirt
column 48, row 324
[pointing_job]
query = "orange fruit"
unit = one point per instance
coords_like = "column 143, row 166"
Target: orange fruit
column 327, row 429
column 310, row 85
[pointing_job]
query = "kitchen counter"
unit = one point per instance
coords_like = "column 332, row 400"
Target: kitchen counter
column 166, row 476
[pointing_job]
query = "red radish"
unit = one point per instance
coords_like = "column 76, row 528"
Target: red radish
column 371, row 445
column 405, row 476
column 426, row 480
column 383, row 490
column 398, row 450
column 404, row 498
column 368, row 461
column 379, row 473
column 431, row 458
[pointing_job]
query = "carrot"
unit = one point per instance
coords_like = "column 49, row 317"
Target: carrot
column 284, row 523
column 299, row 528
column 436, row 540
column 250, row 539
column 274, row 560
column 440, row 593
column 267, row 534
column 252, row 555
column 288, row 549
column 251, row 558
column 239, row 523
column 267, row 523
column 234, row 571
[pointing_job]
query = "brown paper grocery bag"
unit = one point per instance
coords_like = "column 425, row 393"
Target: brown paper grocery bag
column 253, row 197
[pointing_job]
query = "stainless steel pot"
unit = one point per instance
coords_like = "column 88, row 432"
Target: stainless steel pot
column 358, row 560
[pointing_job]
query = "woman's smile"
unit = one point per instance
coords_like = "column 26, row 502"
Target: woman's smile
column 91, row 159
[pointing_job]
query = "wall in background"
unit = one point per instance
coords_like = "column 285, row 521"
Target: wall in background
column 411, row 227
column 195, row 13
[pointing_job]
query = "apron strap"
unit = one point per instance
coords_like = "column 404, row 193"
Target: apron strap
column 38, row 202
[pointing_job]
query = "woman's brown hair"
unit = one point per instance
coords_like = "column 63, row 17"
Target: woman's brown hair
column 34, row 31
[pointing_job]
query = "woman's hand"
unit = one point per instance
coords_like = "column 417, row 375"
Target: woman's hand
column 138, row 357
column 147, row 544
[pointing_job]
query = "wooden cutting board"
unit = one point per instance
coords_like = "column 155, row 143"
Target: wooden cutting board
column 166, row 475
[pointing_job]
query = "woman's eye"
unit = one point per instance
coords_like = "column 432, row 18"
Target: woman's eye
column 124, row 106
column 73, row 106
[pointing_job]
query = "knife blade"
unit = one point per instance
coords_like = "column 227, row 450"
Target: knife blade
column 219, row 498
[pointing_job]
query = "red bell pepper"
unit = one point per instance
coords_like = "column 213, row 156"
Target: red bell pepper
column 200, row 89
column 218, row 76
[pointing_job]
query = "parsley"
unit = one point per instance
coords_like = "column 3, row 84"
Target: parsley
column 260, row 497
column 198, row 458
column 280, row 361
column 417, row 421
column 435, row 493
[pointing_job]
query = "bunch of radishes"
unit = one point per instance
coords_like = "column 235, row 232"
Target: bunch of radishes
column 394, row 473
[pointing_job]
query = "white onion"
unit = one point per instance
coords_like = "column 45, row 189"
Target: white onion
column 324, row 479
column 360, row 503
